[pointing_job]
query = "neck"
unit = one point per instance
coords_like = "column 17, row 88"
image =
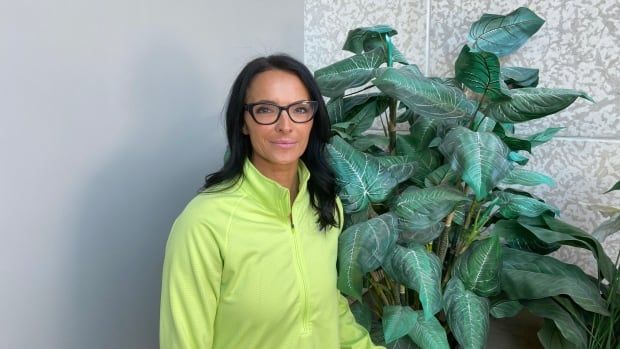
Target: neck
column 285, row 175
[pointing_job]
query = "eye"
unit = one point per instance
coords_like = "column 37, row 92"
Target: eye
column 264, row 109
column 301, row 109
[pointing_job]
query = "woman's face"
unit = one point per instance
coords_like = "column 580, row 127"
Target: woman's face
column 280, row 145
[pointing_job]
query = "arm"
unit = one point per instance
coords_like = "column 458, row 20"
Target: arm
column 190, row 286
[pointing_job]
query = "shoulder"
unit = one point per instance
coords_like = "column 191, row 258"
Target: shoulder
column 209, row 207
column 206, row 216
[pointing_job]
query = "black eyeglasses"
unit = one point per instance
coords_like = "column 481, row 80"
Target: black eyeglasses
column 268, row 113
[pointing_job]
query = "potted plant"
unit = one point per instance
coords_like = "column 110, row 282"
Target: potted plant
column 605, row 330
column 439, row 232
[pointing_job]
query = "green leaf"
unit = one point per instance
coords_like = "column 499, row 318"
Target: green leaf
column 334, row 110
column 543, row 137
column 357, row 38
column 400, row 343
column 363, row 248
column 532, row 103
column 605, row 265
column 514, row 143
column 480, row 266
column 527, row 178
column 460, row 212
column 350, row 72
column 614, row 187
column 518, row 77
column 503, row 307
column 503, row 35
column 551, row 338
column 343, row 108
column 608, row 227
column 422, row 132
column 426, row 160
column 362, row 143
column 528, row 275
column 420, row 236
column 374, row 42
column 428, row 333
column 407, row 115
column 361, row 179
column 518, row 158
column 481, row 73
column 467, row 315
column 442, row 175
column 400, row 167
column 422, row 208
column 515, row 205
column 422, row 95
column 420, row 270
column 479, row 158
column 483, row 124
column 363, row 119
column 362, row 314
column 397, row 321
column 519, row 237
column 351, row 219
column 552, row 232
column 564, row 322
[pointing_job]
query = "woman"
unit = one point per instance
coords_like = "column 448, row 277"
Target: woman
column 251, row 261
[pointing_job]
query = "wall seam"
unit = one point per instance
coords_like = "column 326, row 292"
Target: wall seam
column 427, row 44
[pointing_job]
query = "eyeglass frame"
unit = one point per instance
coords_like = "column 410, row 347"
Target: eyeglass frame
column 249, row 106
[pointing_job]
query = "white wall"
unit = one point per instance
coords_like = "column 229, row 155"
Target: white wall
column 110, row 118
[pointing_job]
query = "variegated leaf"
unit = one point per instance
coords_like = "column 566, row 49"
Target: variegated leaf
column 467, row 314
column 479, row 158
column 420, row 270
column 479, row 268
column 360, row 177
column 363, row 248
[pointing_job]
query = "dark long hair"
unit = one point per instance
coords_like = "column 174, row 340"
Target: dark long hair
column 321, row 185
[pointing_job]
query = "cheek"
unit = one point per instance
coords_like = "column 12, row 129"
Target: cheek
column 306, row 132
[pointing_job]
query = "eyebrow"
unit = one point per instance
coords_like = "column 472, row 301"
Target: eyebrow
column 274, row 103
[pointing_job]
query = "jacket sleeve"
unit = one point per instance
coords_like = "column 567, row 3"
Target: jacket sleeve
column 190, row 286
column 352, row 334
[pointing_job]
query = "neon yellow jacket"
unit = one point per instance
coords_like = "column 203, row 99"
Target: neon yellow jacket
column 239, row 275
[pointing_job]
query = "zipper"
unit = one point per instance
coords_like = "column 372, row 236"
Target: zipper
column 305, row 326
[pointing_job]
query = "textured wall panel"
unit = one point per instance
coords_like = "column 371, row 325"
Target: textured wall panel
column 328, row 22
column 583, row 171
column 578, row 48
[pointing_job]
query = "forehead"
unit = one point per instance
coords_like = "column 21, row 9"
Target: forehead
column 277, row 86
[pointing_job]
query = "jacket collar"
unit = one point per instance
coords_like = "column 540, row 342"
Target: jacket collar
column 269, row 193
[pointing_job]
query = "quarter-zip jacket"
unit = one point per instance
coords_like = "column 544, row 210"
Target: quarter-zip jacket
column 245, row 269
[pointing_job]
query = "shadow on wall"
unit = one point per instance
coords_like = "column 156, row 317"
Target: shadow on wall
column 126, row 211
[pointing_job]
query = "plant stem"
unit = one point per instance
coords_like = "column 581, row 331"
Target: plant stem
column 374, row 281
column 393, row 102
column 473, row 117
column 444, row 239
column 392, row 126
column 385, row 132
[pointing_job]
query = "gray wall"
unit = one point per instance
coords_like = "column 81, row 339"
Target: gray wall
column 110, row 118
column 578, row 48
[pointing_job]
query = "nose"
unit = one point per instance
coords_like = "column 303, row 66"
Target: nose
column 284, row 123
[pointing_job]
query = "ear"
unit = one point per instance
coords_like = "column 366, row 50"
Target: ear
column 244, row 129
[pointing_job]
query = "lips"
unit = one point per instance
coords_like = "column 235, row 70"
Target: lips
column 284, row 143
